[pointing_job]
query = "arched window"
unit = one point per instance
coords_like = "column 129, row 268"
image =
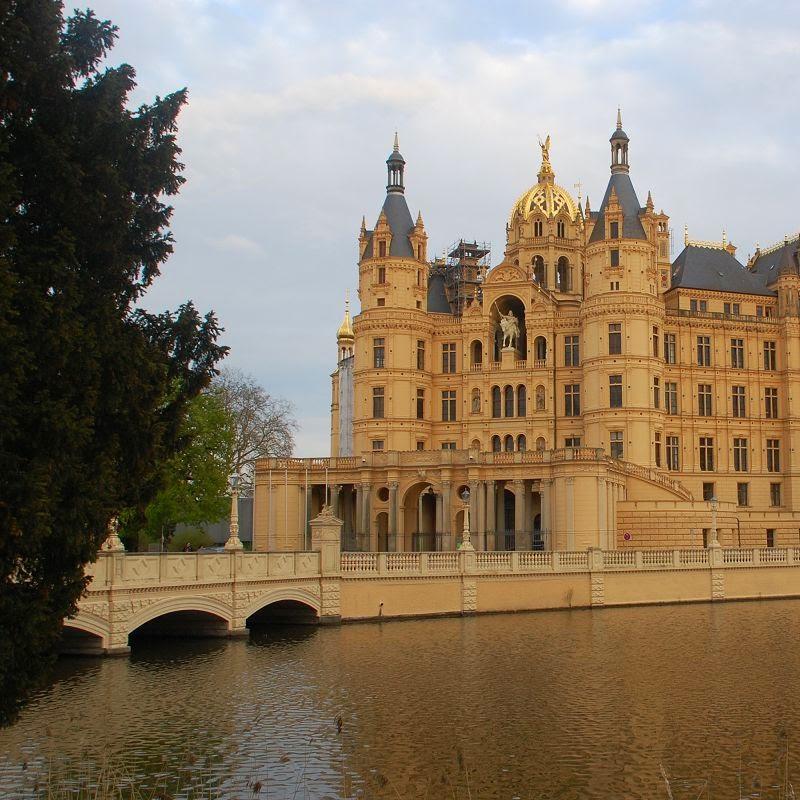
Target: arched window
column 476, row 401
column 540, row 348
column 537, row 227
column 538, row 271
column 509, row 444
column 476, row 444
column 540, row 443
column 521, row 443
column 476, row 352
column 508, row 397
column 496, row 402
column 561, row 229
column 522, row 398
column 563, row 274
column 540, row 398
column 496, row 444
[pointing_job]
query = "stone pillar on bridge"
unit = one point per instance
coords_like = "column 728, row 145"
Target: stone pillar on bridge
column 326, row 537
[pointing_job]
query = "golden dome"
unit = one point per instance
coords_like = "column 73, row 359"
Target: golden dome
column 346, row 328
column 545, row 197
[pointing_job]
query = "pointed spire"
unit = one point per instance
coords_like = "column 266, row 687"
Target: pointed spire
column 395, row 165
column 588, row 207
column 724, row 237
column 649, row 204
column 396, row 148
column 346, row 328
column 419, row 218
column 619, row 118
column 619, row 147
column 685, row 235
column 363, row 225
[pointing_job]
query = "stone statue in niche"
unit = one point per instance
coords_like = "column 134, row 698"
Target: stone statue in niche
column 510, row 328
column 476, row 402
column 540, row 398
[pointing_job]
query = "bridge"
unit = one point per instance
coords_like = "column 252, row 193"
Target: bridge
column 224, row 594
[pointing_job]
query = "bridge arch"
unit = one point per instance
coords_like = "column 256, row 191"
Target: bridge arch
column 190, row 613
column 286, row 605
column 84, row 634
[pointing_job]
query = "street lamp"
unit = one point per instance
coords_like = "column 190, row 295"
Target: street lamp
column 234, row 543
column 466, row 544
column 714, row 507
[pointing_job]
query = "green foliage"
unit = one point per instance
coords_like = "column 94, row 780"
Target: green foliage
column 194, row 480
column 193, row 536
column 93, row 390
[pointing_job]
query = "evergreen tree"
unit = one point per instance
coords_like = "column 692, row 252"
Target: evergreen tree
column 93, row 390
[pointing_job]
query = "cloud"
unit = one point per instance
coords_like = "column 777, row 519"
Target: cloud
column 236, row 243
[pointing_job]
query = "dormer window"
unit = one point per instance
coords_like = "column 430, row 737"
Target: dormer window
column 614, row 230
column 382, row 249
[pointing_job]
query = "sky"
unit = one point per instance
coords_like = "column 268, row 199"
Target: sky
column 293, row 108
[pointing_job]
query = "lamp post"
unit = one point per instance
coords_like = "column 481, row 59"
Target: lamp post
column 234, row 543
column 466, row 544
column 714, row 506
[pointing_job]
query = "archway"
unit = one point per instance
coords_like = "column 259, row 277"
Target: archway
column 77, row 641
column 382, row 526
column 538, row 271
column 500, row 308
column 188, row 624
column 419, row 504
column 506, row 535
column 564, row 275
column 283, row 612
column 476, row 353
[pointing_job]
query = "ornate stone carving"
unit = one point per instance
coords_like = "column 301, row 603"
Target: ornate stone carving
column 598, row 589
column 469, row 596
column 510, row 327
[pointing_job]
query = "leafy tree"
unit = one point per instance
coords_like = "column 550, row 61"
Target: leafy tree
column 93, row 391
column 194, row 480
column 195, row 537
column 265, row 425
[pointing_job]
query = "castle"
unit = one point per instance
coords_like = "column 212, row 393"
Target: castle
column 586, row 391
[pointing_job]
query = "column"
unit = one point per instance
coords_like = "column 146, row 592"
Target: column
column 479, row 541
column 491, row 514
column 547, row 524
column 438, row 540
column 335, row 504
column 602, row 515
column 302, row 514
column 393, row 515
column 473, row 513
column 519, row 514
column 570, row 504
column 420, row 545
column 358, row 519
column 365, row 522
column 447, row 513
column 611, row 510
column 500, row 517
column 307, row 518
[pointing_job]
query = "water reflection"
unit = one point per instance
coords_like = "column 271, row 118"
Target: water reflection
column 562, row 704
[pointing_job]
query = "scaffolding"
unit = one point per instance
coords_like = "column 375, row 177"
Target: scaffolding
column 463, row 267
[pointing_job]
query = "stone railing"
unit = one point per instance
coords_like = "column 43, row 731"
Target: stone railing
column 654, row 476
column 717, row 315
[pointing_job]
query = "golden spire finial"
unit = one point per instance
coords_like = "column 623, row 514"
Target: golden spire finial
column 346, row 328
column 724, row 237
column 396, row 143
column 685, row 235
column 546, row 170
column 619, row 118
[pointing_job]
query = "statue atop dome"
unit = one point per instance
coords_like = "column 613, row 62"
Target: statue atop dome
column 546, row 174
column 545, row 149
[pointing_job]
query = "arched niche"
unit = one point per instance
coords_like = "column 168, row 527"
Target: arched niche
column 500, row 308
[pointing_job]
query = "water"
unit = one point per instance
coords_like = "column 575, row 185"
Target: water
column 550, row 705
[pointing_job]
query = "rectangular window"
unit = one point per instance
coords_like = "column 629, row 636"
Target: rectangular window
column 655, row 342
column 381, row 274
column 739, row 455
column 770, row 537
column 617, row 447
column 615, row 258
column 775, row 494
column 377, row 444
column 420, row 445
column 771, row 402
column 420, row 354
column 448, row 445
column 615, row 338
column 731, row 309
column 449, row 357
column 742, row 494
column 657, row 449
column 381, row 301
column 773, row 455
column 759, row 311
column 377, row 402
column 673, row 453
column 670, row 348
column 704, row 399
column 614, row 286
column 378, row 353
column 737, row 401
column 707, row 453
column 656, row 393
column 572, row 441
column 737, row 353
column 698, row 305
column 572, row 400
column 615, row 391
column 420, row 404
column 769, row 311
column 671, row 397
column 704, row 351
column 382, row 249
column 572, row 356
column 770, row 359
column 449, row 406
column 708, row 491
column 614, row 230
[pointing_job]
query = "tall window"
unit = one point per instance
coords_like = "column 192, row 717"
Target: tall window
column 561, row 230
column 420, row 354
column 770, row 359
column 449, row 357
column 770, row 537
column 572, row 356
column 656, row 393
column 508, row 401
column 377, row 402
column 742, row 494
column 615, row 258
column 615, row 338
column 377, row 444
column 737, row 401
column 708, row 491
column 497, row 403
column 704, row 399
column 572, row 400
column 537, row 227
column 773, row 455
column 657, row 449
column 698, row 305
column 522, row 443
column 673, row 453
column 497, row 445
column 449, row 406
column 382, row 249
column 737, row 353
column 704, row 351
column 655, row 342
column 381, row 274
column 771, row 402
column 378, row 351
column 671, row 397
column 617, row 446
column 739, row 455
column 420, row 404
column 508, row 443
column 774, row 494
column 614, row 230
column 615, row 391
column 522, row 401
column 670, row 348
column 707, row 453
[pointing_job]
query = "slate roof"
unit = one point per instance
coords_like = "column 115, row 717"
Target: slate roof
column 400, row 223
column 437, row 297
column 629, row 203
column 715, row 270
column 770, row 264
